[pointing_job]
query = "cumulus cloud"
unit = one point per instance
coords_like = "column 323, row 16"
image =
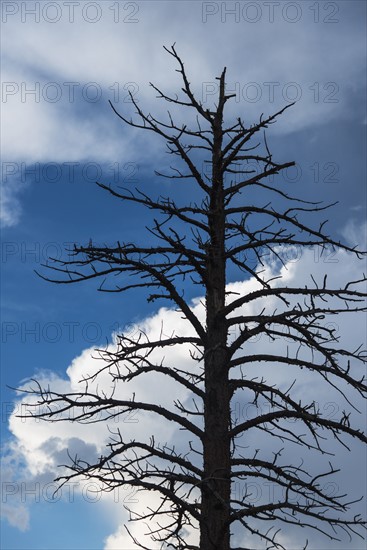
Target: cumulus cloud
column 42, row 446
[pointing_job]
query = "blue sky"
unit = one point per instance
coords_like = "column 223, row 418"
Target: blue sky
column 274, row 52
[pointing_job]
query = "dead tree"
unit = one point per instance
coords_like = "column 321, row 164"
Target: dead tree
column 231, row 223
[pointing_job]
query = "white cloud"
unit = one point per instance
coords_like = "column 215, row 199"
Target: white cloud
column 356, row 233
column 42, row 445
column 13, row 509
column 16, row 515
column 301, row 62
column 10, row 207
column 111, row 54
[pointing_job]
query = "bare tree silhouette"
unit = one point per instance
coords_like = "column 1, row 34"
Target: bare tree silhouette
column 231, row 225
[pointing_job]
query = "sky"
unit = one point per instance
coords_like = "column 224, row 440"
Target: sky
column 61, row 64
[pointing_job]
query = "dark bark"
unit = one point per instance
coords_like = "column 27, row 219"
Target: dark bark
column 216, row 488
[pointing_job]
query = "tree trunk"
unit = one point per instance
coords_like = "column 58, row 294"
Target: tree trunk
column 216, row 486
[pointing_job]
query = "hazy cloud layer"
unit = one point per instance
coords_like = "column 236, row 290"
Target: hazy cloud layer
column 55, row 92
